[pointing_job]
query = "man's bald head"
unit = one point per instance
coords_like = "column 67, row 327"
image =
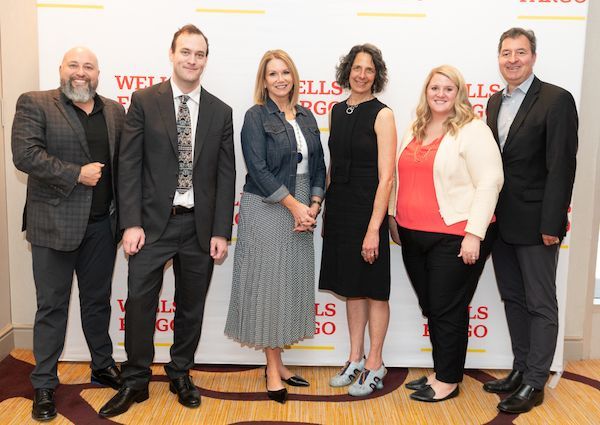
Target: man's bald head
column 79, row 74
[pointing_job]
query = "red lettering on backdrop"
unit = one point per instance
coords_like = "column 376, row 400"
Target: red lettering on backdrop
column 314, row 93
column 165, row 307
column 319, row 87
column 328, row 310
column 121, row 305
column 325, row 328
column 476, row 330
column 127, row 84
column 478, row 95
column 137, row 82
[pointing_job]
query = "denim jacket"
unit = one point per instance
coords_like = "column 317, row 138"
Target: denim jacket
column 270, row 152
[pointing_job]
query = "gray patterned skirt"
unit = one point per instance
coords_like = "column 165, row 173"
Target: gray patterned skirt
column 273, row 290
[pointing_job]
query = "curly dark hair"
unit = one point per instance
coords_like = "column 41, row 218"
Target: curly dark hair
column 342, row 71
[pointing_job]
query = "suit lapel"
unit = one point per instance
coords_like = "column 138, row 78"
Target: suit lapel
column 493, row 109
column 110, row 127
column 205, row 115
column 167, row 113
column 530, row 99
column 71, row 117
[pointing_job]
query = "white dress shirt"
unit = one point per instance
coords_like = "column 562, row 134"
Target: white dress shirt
column 511, row 102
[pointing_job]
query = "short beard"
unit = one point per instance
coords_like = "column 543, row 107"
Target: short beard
column 77, row 94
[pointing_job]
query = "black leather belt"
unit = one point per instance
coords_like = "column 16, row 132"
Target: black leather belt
column 178, row 210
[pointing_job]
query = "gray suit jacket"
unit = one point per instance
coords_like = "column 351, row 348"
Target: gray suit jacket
column 49, row 144
column 149, row 164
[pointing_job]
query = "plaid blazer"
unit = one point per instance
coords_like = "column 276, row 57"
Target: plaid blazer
column 49, row 144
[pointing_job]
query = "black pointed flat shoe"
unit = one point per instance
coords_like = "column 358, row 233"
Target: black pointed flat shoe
column 280, row 396
column 427, row 394
column 296, row 381
column 417, row 384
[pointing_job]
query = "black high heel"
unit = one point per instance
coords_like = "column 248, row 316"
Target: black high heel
column 294, row 381
column 280, row 396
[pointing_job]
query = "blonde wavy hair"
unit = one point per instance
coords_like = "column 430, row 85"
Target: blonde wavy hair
column 260, row 91
column 463, row 111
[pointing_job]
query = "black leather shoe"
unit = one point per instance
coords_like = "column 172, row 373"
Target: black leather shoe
column 44, row 408
column 417, row 384
column 427, row 394
column 296, row 381
column 110, row 377
column 122, row 401
column 280, row 396
column 187, row 392
column 505, row 385
column 522, row 400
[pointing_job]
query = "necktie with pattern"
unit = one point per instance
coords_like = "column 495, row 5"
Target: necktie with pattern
column 184, row 145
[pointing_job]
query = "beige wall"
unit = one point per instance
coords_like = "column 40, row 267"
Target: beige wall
column 19, row 64
column 583, row 319
column 6, row 334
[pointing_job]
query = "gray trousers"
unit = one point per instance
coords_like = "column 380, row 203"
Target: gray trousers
column 526, row 276
column 193, row 270
column 93, row 262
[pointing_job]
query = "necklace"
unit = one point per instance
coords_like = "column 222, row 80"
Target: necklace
column 429, row 148
column 350, row 108
column 299, row 139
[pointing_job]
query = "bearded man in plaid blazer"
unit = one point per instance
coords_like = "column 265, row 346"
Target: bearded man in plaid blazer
column 66, row 140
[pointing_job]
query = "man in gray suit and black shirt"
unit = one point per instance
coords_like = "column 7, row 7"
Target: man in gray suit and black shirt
column 176, row 192
column 66, row 141
column 535, row 124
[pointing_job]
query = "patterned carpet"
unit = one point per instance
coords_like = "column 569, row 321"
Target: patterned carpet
column 576, row 400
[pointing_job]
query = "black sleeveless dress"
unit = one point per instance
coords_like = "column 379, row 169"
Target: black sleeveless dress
column 349, row 205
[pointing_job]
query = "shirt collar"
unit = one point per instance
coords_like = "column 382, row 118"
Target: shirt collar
column 194, row 94
column 523, row 87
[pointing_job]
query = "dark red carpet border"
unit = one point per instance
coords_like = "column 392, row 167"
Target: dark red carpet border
column 14, row 382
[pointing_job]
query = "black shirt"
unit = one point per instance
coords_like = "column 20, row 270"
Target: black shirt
column 96, row 134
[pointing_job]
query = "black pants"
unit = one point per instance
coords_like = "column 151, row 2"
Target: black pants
column 445, row 286
column 193, row 270
column 93, row 263
column 526, row 276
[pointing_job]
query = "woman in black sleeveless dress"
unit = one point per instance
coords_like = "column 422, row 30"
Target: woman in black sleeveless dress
column 356, row 254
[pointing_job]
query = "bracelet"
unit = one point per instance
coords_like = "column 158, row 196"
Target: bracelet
column 315, row 201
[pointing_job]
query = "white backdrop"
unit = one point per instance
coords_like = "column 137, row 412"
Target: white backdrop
column 132, row 40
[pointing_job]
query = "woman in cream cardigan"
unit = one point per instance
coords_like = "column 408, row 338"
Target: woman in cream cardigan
column 449, row 175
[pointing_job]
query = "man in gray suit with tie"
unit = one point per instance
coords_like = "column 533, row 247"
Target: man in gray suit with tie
column 176, row 192
column 66, row 141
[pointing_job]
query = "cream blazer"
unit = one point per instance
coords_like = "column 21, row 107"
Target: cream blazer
column 467, row 176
